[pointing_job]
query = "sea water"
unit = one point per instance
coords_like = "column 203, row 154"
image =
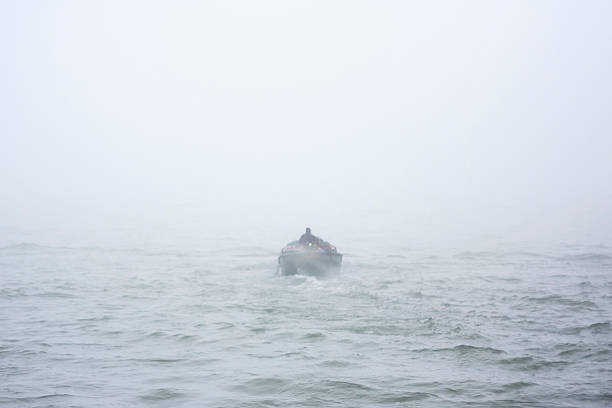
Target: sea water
column 401, row 325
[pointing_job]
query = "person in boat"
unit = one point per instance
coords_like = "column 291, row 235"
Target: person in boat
column 310, row 240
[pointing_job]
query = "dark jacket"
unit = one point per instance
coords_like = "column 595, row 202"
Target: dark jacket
column 308, row 238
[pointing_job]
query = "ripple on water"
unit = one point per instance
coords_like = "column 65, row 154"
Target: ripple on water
column 337, row 392
column 335, row 363
column 595, row 328
column 513, row 386
column 34, row 399
column 263, row 385
column 53, row 294
column 462, row 349
column 156, row 361
column 589, row 256
column 313, row 337
column 562, row 301
column 163, row 394
column 405, row 397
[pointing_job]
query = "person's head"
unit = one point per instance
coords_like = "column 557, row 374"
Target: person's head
column 307, row 230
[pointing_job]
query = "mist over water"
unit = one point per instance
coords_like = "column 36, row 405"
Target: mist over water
column 218, row 326
column 155, row 158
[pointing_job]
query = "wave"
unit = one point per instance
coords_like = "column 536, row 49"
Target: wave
column 464, row 349
column 346, row 385
column 527, row 363
column 313, row 336
column 516, row 360
column 265, row 385
column 604, row 326
column 162, row 394
column 12, row 292
column 517, row 385
column 406, row 397
column 55, row 295
column 589, row 256
column 335, row 363
column 23, row 246
column 157, row 360
column 386, row 330
column 34, row 398
column 596, row 328
column 560, row 300
column 599, row 355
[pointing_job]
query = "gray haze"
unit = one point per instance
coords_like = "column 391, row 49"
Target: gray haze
column 156, row 156
column 155, row 121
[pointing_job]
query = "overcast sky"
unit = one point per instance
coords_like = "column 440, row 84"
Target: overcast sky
column 486, row 116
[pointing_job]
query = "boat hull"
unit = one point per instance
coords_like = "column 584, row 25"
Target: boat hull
column 309, row 262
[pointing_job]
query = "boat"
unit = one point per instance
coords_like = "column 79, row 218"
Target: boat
column 309, row 255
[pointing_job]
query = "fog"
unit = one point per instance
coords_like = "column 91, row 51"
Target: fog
column 415, row 120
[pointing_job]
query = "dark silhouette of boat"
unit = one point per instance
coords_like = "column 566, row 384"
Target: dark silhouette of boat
column 309, row 255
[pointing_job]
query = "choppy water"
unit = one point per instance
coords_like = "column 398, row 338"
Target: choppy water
column 102, row 327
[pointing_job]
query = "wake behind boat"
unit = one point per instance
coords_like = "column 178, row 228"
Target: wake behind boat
column 309, row 255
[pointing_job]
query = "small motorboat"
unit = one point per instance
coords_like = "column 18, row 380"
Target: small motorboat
column 309, row 255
